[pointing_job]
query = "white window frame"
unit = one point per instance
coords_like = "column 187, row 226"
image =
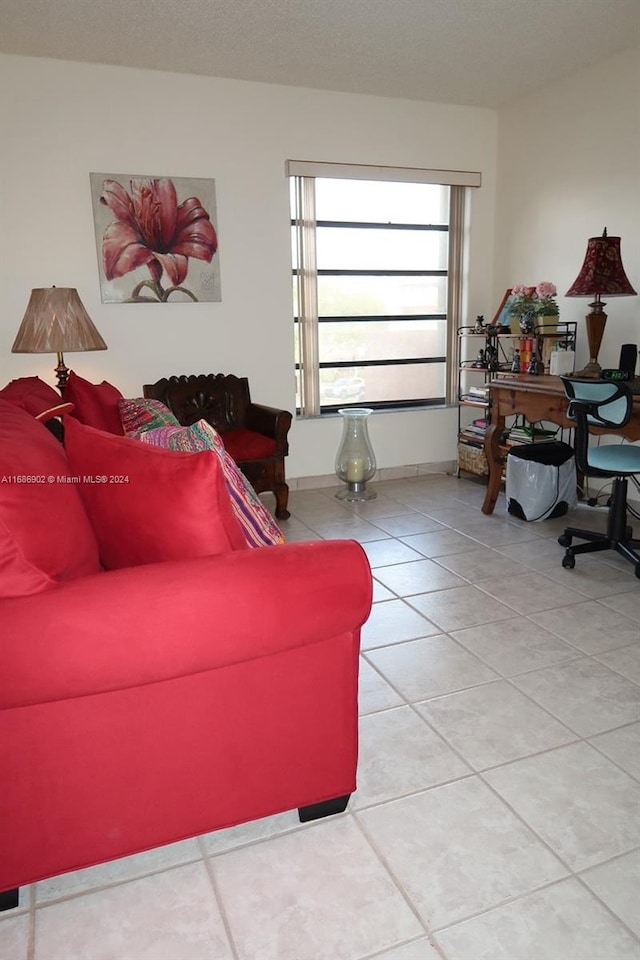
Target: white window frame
column 305, row 172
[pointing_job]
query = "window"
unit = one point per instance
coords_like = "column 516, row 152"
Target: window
column 377, row 274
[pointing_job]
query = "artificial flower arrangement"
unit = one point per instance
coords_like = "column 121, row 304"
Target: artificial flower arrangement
column 538, row 301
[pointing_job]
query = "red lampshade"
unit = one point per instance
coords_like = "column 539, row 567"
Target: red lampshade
column 602, row 271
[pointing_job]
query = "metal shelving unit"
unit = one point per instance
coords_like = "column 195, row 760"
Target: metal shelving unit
column 494, row 348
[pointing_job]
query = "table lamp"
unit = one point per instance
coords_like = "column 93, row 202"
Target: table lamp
column 56, row 322
column 602, row 274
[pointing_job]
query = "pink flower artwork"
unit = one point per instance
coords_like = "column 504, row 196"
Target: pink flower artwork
column 151, row 233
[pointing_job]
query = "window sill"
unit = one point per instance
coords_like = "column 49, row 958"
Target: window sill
column 334, row 415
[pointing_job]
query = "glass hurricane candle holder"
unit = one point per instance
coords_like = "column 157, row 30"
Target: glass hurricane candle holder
column 355, row 460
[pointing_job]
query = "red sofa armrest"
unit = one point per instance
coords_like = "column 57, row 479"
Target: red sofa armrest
column 146, row 624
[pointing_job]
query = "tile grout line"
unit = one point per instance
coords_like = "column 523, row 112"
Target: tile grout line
column 506, row 679
column 387, row 867
column 407, row 943
column 217, row 896
column 610, row 759
column 610, row 911
column 31, row 939
column 534, row 831
column 109, row 885
column 565, row 723
column 544, row 886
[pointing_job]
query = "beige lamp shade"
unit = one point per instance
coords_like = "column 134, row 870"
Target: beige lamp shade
column 56, row 322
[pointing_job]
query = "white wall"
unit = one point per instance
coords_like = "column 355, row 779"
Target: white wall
column 61, row 121
column 569, row 165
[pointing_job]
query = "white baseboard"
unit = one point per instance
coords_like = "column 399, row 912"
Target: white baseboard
column 385, row 473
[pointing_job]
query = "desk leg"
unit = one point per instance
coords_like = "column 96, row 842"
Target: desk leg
column 494, row 461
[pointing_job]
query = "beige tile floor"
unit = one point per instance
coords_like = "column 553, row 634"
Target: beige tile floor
column 498, row 809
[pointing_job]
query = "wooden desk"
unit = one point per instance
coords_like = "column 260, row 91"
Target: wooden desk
column 537, row 398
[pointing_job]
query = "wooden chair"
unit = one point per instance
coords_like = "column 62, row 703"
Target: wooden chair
column 253, row 434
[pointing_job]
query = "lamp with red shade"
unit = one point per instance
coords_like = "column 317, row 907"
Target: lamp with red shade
column 602, row 274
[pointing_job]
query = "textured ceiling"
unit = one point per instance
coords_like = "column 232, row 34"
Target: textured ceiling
column 474, row 52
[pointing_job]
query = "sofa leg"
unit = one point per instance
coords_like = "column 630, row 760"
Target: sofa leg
column 9, row 899
column 326, row 809
column 282, row 498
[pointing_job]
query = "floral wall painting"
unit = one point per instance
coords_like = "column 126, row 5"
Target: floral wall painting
column 156, row 238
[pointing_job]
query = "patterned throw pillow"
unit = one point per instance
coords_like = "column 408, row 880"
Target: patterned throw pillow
column 257, row 524
column 140, row 414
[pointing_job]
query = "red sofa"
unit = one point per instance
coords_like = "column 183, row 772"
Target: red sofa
column 150, row 703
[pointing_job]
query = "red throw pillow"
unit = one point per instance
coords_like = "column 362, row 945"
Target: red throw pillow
column 147, row 504
column 257, row 524
column 45, row 535
column 95, row 404
column 33, row 395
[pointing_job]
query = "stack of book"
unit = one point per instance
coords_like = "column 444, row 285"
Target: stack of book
column 478, row 394
column 527, row 434
column 474, row 432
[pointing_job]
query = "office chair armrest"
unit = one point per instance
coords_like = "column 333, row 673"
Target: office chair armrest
column 588, row 407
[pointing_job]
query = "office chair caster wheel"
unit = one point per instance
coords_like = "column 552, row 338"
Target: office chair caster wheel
column 565, row 540
column 568, row 561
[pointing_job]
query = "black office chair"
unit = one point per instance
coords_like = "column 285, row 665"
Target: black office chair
column 602, row 403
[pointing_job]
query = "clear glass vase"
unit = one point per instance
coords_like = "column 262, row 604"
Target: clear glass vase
column 355, row 460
